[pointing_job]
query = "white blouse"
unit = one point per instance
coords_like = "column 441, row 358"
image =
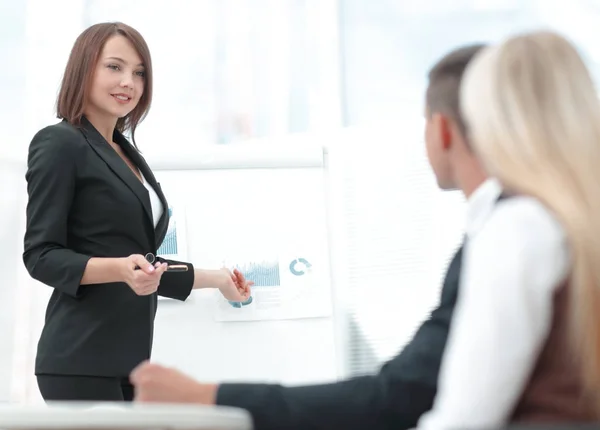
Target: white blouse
column 157, row 206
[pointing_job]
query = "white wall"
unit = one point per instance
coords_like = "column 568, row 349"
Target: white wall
column 10, row 261
column 12, row 107
column 34, row 47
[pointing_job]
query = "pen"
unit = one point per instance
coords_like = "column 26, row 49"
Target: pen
column 151, row 258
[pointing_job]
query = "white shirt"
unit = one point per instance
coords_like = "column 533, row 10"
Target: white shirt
column 157, row 206
column 515, row 258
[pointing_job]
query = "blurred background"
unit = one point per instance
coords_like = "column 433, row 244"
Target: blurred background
column 229, row 70
column 345, row 74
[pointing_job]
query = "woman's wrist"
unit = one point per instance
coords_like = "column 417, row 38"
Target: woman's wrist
column 205, row 278
column 118, row 266
column 102, row 270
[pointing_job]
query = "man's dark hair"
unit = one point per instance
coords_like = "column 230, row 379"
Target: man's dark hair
column 443, row 91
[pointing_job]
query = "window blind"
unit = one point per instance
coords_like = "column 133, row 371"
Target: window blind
column 401, row 232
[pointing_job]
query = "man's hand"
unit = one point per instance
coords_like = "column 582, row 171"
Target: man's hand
column 156, row 383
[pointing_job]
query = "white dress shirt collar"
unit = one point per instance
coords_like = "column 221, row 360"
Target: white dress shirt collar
column 481, row 204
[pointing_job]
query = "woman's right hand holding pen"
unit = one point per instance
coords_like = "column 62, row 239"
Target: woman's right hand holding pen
column 141, row 276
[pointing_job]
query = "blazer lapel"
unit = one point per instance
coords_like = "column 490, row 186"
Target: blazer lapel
column 117, row 164
column 161, row 228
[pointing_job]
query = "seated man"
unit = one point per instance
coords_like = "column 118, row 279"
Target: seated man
column 405, row 387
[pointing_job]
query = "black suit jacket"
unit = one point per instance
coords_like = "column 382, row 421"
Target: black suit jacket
column 84, row 201
column 395, row 398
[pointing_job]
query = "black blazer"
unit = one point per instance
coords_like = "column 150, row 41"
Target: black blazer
column 84, row 201
column 395, row 398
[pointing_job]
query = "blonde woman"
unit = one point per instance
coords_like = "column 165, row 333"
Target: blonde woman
column 524, row 343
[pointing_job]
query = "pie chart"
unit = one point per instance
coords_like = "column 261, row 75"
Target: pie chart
column 300, row 266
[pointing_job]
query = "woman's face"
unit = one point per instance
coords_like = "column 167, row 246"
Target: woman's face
column 118, row 82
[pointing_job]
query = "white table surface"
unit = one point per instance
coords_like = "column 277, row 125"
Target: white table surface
column 99, row 416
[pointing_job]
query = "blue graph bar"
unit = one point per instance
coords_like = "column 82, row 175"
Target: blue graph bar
column 169, row 245
column 263, row 274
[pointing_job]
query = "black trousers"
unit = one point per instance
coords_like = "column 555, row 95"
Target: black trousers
column 86, row 388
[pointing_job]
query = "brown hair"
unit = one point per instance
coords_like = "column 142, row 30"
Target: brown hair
column 77, row 79
column 443, row 91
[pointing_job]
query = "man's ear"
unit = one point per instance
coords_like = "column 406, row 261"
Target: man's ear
column 443, row 128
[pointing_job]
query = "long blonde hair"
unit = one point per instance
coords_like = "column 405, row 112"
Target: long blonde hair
column 533, row 117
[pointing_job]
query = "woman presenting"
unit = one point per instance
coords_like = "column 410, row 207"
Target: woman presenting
column 94, row 212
